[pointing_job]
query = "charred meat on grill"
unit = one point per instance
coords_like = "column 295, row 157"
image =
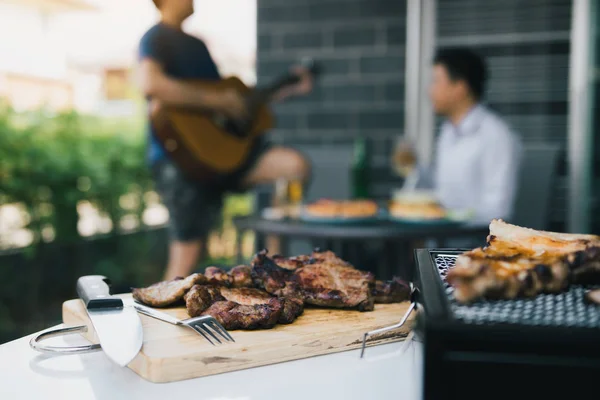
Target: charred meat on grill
column 322, row 283
column 163, row 294
column 522, row 262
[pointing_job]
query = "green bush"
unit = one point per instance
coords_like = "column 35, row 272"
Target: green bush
column 49, row 163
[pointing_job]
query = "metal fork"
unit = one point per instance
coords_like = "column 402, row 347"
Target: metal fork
column 205, row 325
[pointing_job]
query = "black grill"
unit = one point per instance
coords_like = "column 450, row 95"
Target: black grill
column 469, row 349
column 562, row 309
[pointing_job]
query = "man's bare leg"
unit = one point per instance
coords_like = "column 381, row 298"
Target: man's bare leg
column 278, row 163
column 183, row 258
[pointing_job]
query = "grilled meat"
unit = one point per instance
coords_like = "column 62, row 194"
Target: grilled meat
column 292, row 307
column 272, row 278
column 246, row 308
column 216, row 276
column 163, row 294
column 233, row 315
column 241, row 276
column 290, row 263
column 524, row 262
column 317, row 256
column 394, row 291
column 324, row 282
column 200, row 297
column 334, row 285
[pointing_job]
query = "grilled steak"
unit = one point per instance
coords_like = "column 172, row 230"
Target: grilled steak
column 216, row 276
column 200, row 297
column 233, row 315
column 524, row 262
column 272, row 278
column 394, row 291
column 323, row 282
column 163, row 294
column 292, row 306
column 246, row 308
column 241, row 276
column 317, row 256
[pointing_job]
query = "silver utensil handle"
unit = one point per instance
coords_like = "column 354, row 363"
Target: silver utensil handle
column 35, row 344
column 151, row 312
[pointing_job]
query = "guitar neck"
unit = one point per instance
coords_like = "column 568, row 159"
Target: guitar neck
column 266, row 94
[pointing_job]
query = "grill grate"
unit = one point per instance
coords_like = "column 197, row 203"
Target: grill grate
column 562, row 309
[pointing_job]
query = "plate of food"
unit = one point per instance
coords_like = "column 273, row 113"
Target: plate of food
column 426, row 213
column 340, row 211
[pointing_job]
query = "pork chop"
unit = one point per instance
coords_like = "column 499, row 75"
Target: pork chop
column 216, row 276
column 232, row 315
column 292, row 306
column 241, row 276
column 321, row 282
column 394, row 291
column 522, row 262
column 249, row 308
column 166, row 293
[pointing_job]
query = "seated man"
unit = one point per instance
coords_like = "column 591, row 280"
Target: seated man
column 168, row 56
column 477, row 154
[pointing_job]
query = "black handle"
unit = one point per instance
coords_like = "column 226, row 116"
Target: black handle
column 95, row 293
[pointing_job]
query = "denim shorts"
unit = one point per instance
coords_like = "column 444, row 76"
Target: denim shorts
column 195, row 207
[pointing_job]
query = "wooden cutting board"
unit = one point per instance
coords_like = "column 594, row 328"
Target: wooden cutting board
column 172, row 353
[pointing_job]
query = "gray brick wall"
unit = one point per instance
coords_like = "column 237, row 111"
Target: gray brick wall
column 526, row 45
column 360, row 44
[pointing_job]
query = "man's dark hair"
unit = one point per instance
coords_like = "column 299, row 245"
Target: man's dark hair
column 464, row 64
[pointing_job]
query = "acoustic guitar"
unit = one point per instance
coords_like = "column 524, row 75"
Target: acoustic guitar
column 207, row 145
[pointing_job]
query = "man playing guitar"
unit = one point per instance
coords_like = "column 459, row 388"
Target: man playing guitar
column 168, row 57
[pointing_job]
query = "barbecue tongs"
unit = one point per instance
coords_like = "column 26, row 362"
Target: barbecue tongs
column 414, row 294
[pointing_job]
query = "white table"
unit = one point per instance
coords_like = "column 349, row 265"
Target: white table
column 387, row 371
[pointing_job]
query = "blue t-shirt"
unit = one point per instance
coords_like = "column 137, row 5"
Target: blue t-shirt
column 182, row 57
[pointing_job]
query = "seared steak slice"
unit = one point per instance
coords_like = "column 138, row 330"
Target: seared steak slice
column 329, row 257
column 216, row 276
column 317, row 281
column 317, row 256
column 394, row 291
column 290, row 263
column 292, row 307
column 241, row 276
column 163, row 294
column 233, row 315
column 336, row 285
column 259, row 309
column 200, row 297
column 271, row 277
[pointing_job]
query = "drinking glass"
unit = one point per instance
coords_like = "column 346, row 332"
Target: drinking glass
column 404, row 162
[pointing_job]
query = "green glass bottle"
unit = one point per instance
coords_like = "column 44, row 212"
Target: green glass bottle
column 360, row 170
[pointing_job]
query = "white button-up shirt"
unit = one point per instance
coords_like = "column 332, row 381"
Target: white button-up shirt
column 476, row 165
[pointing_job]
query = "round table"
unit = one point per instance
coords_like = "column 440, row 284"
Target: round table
column 395, row 236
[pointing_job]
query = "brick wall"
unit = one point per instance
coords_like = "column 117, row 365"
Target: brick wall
column 526, row 45
column 360, row 44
